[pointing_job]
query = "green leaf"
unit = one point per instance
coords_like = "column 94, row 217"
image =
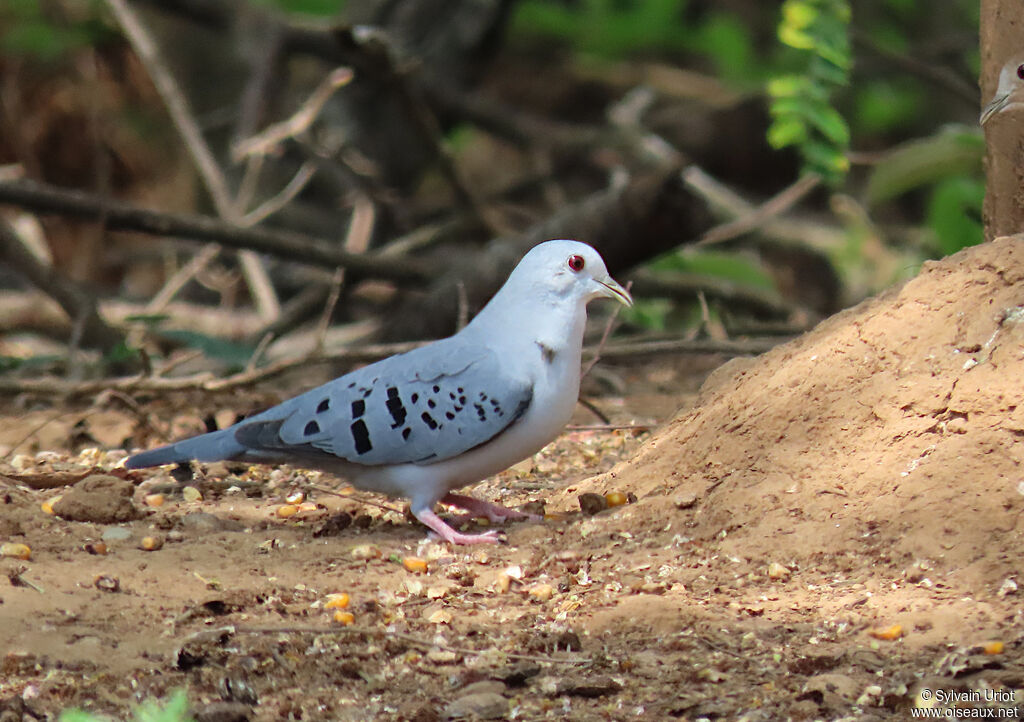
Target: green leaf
column 954, row 214
column 952, row 152
column 787, row 131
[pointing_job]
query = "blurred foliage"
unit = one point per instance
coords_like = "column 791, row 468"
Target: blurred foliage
column 28, row 30
column 615, row 30
column 826, row 72
column 319, row 8
column 801, row 105
column 176, row 710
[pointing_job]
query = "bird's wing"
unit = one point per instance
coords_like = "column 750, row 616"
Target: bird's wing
column 428, row 405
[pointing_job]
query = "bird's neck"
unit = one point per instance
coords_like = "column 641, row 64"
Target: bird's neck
column 558, row 326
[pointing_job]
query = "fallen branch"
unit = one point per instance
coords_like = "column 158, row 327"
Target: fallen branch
column 209, row 383
column 77, row 302
column 288, row 245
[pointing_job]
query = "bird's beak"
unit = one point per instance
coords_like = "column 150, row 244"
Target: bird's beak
column 612, row 289
column 994, row 106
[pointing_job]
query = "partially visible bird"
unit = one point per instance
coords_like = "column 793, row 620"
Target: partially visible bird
column 423, row 423
column 1010, row 91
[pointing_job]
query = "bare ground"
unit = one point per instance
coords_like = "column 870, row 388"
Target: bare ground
column 830, row 531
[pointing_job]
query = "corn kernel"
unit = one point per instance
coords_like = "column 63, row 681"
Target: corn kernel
column 992, row 648
column 154, row 500
column 336, row 601
column 47, row 506
column 345, row 618
column 151, row 543
column 415, row 564
column 887, row 633
column 287, row 510
column 615, row 498
column 13, row 549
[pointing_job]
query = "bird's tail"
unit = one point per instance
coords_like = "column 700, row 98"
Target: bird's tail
column 215, row 446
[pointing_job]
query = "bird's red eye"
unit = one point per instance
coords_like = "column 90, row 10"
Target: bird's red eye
column 1020, row 72
column 576, row 263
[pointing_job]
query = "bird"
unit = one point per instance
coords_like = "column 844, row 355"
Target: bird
column 421, row 424
column 1010, row 91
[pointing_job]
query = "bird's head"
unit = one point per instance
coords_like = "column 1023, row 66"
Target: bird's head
column 568, row 271
column 1010, row 91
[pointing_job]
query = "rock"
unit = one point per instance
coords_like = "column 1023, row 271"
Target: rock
column 591, row 503
column 100, row 499
column 479, row 705
column 116, row 533
column 517, row 674
column 484, row 685
column 830, row 690
column 685, row 500
column 224, row 712
column 591, row 687
column 204, row 521
column 334, row 524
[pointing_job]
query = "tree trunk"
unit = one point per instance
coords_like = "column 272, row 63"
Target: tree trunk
column 1002, row 30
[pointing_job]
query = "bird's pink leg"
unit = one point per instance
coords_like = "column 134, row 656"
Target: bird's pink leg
column 493, row 512
column 432, row 520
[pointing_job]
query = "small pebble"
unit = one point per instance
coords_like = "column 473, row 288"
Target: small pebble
column 116, row 533
column 686, row 500
column 479, row 705
column 591, row 503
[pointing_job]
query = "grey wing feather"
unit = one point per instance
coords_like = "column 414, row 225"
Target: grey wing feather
column 424, row 406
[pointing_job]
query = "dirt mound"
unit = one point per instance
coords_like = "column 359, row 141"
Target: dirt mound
column 886, row 437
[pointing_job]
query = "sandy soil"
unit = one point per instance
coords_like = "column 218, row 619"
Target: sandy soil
column 830, row 531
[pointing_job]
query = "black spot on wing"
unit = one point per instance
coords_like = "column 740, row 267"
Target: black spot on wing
column 395, row 406
column 431, row 403
column 361, row 437
column 406, row 433
column 429, row 420
column 323, row 406
column 449, row 415
column 358, row 408
column 311, row 428
column 437, row 389
column 480, row 412
column 415, row 398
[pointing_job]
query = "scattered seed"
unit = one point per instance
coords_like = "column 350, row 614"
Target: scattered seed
column 777, row 571
column 287, row 510
column 336, row 601
column 154, row 500
column 992, row 648
column 15, row 551
column 615, row 498
column 541, row 592
column 151, row 543
column 296, row 497
column 345, row 618
column 415, row 564
column 366, row 551
column 47, row 506
column 190, row 493
column 99, row 548
column 887, row 633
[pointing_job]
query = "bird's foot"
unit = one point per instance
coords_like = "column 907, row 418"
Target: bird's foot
column 444, row 531
column 493, row 512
